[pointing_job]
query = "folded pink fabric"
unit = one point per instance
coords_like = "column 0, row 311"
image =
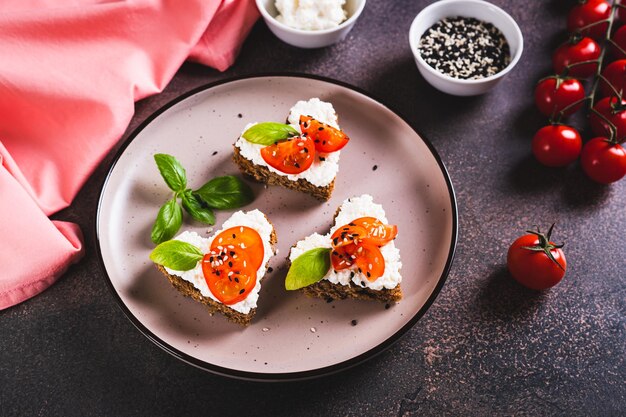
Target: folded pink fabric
column 70, row 73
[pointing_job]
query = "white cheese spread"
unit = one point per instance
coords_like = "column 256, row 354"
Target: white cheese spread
column 311, row 14
column 325, row 166
column 352, row 209
column 254, row 219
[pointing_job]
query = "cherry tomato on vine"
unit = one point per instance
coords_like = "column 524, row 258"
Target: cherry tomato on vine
column 614, row 112
column 573, row 52
column 615, row 73
column 619, row 38
column 603, row 161
column 557, row 145
column 587, row 13
column 536, row 262
column 553, row 94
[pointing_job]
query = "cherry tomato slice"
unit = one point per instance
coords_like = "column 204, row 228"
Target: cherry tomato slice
column 326, row 138
column 242, row 237
column 347, row 235
column 366, row 258
column 229, row 274
column 341, row 257
column 369, row 261
column 378, row 233
column 291, row 156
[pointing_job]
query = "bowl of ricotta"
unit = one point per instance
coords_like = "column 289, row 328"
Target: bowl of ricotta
column 310, row 23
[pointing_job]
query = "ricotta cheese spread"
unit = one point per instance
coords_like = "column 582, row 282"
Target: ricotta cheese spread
column 311, row 14
column 325, row 166
column 352, row 209
column 254, row 219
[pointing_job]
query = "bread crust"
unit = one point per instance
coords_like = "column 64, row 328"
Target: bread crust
column 263, row 174
column 189, row 290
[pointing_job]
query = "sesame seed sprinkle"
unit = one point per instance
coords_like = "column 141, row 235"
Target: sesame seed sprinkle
column 465, row 48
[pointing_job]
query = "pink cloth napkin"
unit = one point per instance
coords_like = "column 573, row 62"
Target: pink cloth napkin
column 70, row 72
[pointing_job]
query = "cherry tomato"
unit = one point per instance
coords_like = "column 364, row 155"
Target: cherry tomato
column 229, row 274
column 554, row 94
column 291, row 156
column 615, row 73
column 326, row 138
column 378, row 233
column 619, row 37
column 536, row 262
column 603, row 161
column 557, row 145
column 615, row 113
column 367, row 258
column 570, row 53
column 587, row 13
column 244, row 238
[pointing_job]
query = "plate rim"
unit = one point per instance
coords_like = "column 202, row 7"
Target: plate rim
column 279, row 376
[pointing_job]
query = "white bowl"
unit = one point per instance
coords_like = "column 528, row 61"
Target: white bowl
column 480, row 10
column 310, row 38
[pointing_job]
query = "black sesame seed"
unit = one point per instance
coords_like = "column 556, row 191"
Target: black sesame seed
column 230, row 264
column 375, row 167
column 321, row 157
column 354, row 322
column 241, row 291
column 351, row 275
column 234, row 236
column 320, row 128
column 297, row 165
column 387, row 306
column 214, row 153
column 329, row 300
column 236, row 279
column 240, row 115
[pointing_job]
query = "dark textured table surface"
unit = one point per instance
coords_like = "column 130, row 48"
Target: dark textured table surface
column 486, row 346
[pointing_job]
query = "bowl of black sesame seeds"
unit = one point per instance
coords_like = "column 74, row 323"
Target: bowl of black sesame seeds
column 465, row 47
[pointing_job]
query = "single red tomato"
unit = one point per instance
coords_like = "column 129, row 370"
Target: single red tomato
column 557, row 145
column 244, row 238
column 536, row 262
column 619, row 38
column 615, row 73
column 553, row 94
column 603, row 161
column 584, row 14
column 614, row 112
column 291, row 156
column 574, row 52
column 326, row 138
column 229, row 274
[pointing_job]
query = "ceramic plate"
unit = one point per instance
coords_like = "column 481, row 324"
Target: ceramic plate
column 291, row 336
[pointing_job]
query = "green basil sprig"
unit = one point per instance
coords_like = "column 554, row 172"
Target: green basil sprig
column 308, row 268
column 220, row 193
column 176, row 255
column 268, row 133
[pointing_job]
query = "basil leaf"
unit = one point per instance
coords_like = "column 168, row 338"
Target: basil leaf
column 172, row 171
column 225, row 192
column 268, row 133
column 168, row 222
column 176, row 255
column 196, row 209
column 308, row 268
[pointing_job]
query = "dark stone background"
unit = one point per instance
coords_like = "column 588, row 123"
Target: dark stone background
column 487, row 346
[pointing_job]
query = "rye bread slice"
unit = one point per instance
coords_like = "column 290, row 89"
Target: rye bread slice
column 263, row 174
column 330, row 291
column 189, row 290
